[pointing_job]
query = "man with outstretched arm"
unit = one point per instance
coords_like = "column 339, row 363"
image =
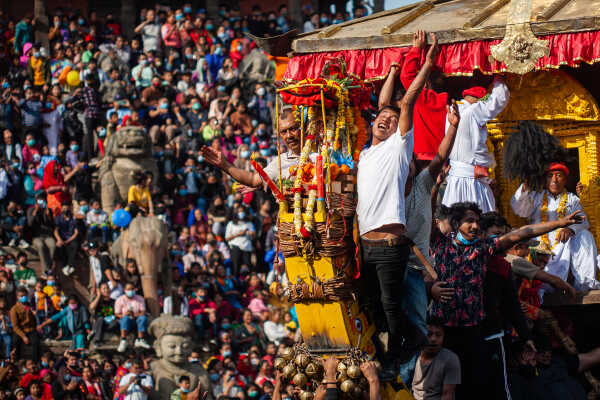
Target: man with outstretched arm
column 383, row 169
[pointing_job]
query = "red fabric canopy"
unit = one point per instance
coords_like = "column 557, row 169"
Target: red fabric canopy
column 453, row 59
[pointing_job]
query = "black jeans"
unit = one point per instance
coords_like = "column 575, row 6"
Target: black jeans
column 69, row 252
column 34, row 344
column 100, row 326
column 239, row 258
column 384, row 268
column 467, row 343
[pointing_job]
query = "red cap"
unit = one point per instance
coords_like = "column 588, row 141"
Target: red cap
column 558, row 167
column 475, row 91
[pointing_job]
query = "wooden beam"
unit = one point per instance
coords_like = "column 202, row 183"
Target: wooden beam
column 444, row 37
column 487, row 12
column 551, row 10
column 408, row 17
column 329, row 31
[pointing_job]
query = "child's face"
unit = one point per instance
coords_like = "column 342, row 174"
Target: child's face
column 185, row 385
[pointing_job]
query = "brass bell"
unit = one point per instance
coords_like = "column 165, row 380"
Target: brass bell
column 341, row 367
column 302, row 360
column 341, row 376
column 288, row 371
column 300, row 379
column 353, row 371
column 279, row 363
column 287, row 353
column 347, row 386
column 311, row 370
column 306, row 395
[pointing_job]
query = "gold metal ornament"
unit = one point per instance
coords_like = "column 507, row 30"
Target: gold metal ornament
column 306, row 395
column 287, row 353
column 300, row 379
column 302, row 360
column 279, row 363
column 353, row 371
column 347, row 386
column 520, row 49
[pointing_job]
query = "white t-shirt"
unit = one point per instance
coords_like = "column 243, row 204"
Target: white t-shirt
column 382, row 173
column 244, row 242
column 135, row 392
column 287, row 160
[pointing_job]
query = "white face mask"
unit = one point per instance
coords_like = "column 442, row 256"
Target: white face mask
column 260, row 91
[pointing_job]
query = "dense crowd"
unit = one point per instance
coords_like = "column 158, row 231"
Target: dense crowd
column 184, row 79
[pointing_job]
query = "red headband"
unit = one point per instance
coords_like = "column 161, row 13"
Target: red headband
column 475, row 91
column 558, row 167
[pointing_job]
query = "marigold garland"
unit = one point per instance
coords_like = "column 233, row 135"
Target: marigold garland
column 561, row 212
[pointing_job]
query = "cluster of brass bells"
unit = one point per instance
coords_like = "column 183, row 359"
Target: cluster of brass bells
column 299, row 368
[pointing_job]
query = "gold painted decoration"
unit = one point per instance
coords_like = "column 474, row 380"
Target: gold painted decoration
column 521, row 49
column 548, row 96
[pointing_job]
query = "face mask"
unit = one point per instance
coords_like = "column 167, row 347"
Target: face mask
column 50, row 283
column 254, row 361
column 23, row 299
column 44, row 364
column 193, row 360
column 252, row 394
column 214, row 377
column 36, row 54
column 31, row 171
column 164, row 106
column 187, row 10
column 182, row 192
column 184, row 390
column 264, row 152
column 102, row 132
column 42, row 203
column 5, row 85
column 226, row 354
column 196, row 106
column 222, row 36
column 81, row 21
column 245, row 153
column 25, row 87
column 201, row 159
column 127, row 365
column 241, row 215
column 31, row 142
column 209, row 27
column 324, row 20
column 159, row 292
column 74, row 147
column 239, row 47
column 178, row 17
column 73, row 306
column 200, row 298
column 15, row 165
column 144, row 62
column 49, row 105
column 84, row 209
column 464, row 241
column 130, row 293
column 221, row 88
column 260, row 91
column 190, row 132
column 218, row 51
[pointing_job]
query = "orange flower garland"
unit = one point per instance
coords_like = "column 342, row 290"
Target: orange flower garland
column 361, row 135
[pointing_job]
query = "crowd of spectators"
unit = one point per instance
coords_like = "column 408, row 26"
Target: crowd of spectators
column 178, row 77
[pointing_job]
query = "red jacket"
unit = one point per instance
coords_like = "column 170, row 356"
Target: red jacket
column 429, row 117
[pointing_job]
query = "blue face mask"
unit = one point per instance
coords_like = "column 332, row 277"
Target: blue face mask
column 214, row 377
column 184, row 390
column 218, row 51
column 84, row 209
column 241, row 215
column 15, row 165
column 50, row 283
column 159, row 292
column 201, row 159
column 102, row 132
column 209, row 27
column 187, row 10
column 226, row 354
column 44, row 364
column 81, row 21
column 178, row 17
column 49, row 105
column 196, row 106
column 164, row 106
column 42, row 203
column 36, row 54
column 31, row 142
column 23, row 299
column 74, row 147
column 264, row 152
column 182, row 192
column 5, row 85
column 464, row 241
column 245, row 153
column 494, row 236
column 130, row 293
column 239, row 47
column 324, row 20
column 190, row 132
column 127, row 365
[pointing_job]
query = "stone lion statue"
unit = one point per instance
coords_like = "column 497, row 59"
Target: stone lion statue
column 173, row 345
column 145, row 240
column 126, row 151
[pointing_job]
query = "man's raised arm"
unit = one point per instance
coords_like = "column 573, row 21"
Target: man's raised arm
column 413, row 91
column 217, row 159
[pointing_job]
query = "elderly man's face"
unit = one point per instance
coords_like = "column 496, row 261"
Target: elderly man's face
column 175, row 348
column 289, row 129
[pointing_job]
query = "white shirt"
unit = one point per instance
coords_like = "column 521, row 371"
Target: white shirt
column 471, row 135
column 135, row 392
column 382, row 173
column 287, row 160
column 244, row 242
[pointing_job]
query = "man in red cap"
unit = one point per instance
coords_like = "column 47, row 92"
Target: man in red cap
column 574, row 247
column 469, row 161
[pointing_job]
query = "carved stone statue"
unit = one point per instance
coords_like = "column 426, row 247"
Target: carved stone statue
column 126, row 151
column 145, row 240
column 173, row 345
